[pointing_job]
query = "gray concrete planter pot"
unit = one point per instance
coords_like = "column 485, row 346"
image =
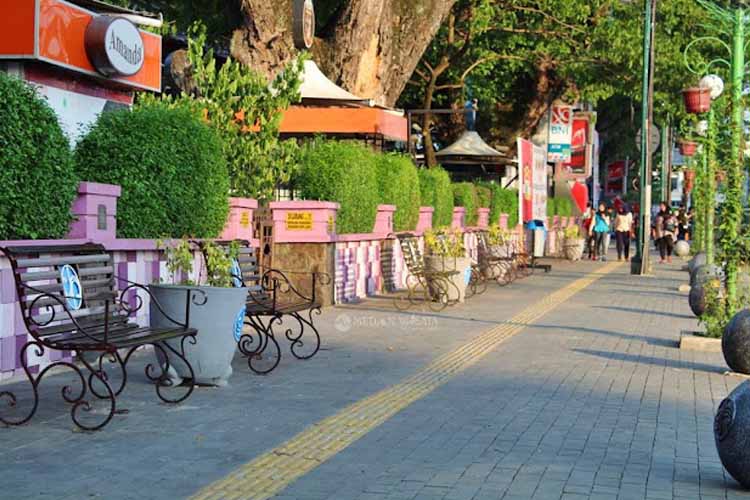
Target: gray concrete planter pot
column 573, row 248
column 456, row 293
column 217, row 321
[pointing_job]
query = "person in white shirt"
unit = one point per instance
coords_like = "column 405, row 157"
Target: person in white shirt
column 623, row 228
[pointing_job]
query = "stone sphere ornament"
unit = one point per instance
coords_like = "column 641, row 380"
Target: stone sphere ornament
column 704, row 273
column 682, row 248
column 697, row 300
column 732, row 433
column 697, row 261
column 735, row 343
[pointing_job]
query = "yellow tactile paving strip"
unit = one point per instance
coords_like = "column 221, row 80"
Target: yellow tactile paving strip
column 273, row 471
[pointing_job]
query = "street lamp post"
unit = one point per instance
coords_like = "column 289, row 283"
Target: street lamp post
column 641, row 262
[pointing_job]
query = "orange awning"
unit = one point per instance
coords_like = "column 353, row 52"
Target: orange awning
column 299, row 120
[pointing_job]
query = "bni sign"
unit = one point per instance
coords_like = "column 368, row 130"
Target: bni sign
column 560, row 133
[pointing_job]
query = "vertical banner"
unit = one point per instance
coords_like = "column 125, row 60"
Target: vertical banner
column 560, row 133
column 539, row 177
column 532, row 166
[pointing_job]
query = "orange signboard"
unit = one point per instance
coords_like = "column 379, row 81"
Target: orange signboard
column 53, row 31
column 350, row 121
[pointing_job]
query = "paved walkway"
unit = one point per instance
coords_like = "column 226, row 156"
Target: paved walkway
column 591, row 400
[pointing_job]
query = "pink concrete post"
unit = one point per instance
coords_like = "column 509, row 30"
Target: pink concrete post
column 304, row 221
column 503, row 222
column 556, row 222
column 459, row 218
column 483, row 218
column 425, row 219
column 384, row 220
column 240, row 221
column 95, row 211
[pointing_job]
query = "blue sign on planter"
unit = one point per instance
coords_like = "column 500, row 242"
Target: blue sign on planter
column 236, row 272
column 467, row 275
column 72, row 288
column 239, row 322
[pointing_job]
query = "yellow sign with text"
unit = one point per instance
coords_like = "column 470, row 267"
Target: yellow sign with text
column 245, row 220
column 299, row 221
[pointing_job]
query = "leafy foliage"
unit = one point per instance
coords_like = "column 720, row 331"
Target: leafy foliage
column 344, row 172
column 36, row 168
column 170, row 166
column 484, row 196
column 435, row 185
column 465, row 195
column 505, row 201
column 445, row 242
column 398, row 183
column 246, row 111
column 561, row 206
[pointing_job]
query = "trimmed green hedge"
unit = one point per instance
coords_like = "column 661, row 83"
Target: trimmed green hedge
column 484, row 196
column 505, row 201
column 562, row 206
column 435, row 185
column 344, row 172
column 398, row 183
column 171, row 168
column 37, row 179
column 465, row 195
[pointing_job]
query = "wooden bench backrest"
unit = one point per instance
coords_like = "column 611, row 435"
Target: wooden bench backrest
column 249, row 271
column 80, row 276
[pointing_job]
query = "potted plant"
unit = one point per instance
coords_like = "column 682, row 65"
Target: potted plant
column 697, row 99
column 574, row 243
column 688, row 148
column 217, row 321
column 448, row 255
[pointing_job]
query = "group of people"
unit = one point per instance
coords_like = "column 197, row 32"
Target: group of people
column 600, row 224
column 669, row 226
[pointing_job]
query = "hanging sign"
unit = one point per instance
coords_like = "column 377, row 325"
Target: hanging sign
column 560, row 133
column 532, row 164
column 304, row 24
column 114, row 46
column 299, row 221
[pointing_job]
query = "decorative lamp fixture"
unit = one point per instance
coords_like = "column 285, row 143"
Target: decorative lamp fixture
column 714, row 83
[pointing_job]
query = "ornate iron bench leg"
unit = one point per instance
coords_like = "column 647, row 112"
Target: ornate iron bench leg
column 297, row 342
column 73, row 396
column 113, row 358
column 265, row 339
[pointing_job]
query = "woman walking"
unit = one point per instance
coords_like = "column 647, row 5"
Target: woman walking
column 623, row 228
column 666, row 229
column 600, row 228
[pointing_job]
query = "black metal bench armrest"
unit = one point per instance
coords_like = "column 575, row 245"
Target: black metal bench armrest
column 53, row 313
column 283, row 284
column 192, row 294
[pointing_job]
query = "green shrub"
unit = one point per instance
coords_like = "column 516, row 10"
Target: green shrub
column 170, row 166
column 465, row 195
column 551, row 207
column 564, row 206
column 398, row 183
column 37, row 178
column 495, row 194
column 484, row 196
column 344, row 172
column 435, row 185
column 506, row 202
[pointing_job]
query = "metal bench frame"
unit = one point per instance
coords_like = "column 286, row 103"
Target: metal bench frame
column 271, row 298
column 96, row 318
column 422, row 286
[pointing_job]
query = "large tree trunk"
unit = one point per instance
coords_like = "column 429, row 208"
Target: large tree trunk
column 371, row 51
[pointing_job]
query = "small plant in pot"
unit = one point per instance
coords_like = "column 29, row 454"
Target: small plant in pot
column 217, row 321
column 447, row 255
column 574, row 243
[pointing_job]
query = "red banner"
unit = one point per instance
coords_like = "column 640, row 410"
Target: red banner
column 577, row 163
column 526, row 173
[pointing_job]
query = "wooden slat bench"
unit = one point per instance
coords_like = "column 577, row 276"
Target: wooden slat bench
column 69, row 301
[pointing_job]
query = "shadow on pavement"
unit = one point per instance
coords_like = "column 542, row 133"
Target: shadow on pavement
column 669, row 363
